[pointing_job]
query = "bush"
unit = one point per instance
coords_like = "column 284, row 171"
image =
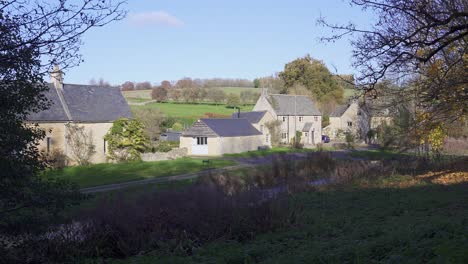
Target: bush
column 57, row 159
column 349, row 137
column 126, row 140
column 177, row 126
column 171, row 221
column 165, row 146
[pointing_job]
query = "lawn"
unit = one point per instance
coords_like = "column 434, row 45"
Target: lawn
column 261, row 153
column 399, row 219
column 101, row 174
column 189, row 113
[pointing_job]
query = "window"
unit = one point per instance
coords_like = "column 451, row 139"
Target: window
column 267, row 138
column 315, row 118
column 350, row 124
column 306, row 134
column 284, row 135
column 301, row 118
column 49, row 142
column 284, row 119
column 105, row 143
column 202, row 141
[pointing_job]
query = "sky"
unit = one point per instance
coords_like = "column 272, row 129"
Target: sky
column 171, row 39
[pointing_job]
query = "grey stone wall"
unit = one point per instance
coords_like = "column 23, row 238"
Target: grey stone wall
column 158, row 156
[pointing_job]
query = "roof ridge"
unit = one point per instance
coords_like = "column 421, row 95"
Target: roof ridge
column 64, row 103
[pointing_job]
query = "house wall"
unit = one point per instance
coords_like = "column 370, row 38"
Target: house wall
column 262, row 127
column 218, row 146
column 57, row 133
column 290, row 128
column 358, row 118
column 239, row 144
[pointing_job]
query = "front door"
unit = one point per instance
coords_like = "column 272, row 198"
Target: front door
column 200, row 146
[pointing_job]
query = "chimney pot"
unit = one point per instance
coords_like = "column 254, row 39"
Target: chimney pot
column 56, row 77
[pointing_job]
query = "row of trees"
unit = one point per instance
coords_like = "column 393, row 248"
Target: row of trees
column 190, row 94
column 189, row 82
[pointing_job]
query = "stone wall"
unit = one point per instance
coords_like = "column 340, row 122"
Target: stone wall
column 158, row 156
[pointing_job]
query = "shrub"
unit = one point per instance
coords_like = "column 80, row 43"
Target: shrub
column 126, row 140
column 81, row 144
column 177, row 126
column 171, row 221
column 57, row 159
column 349, row 137
column 274, row 128
column 165, row 146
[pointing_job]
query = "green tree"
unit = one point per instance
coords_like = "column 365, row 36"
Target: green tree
column 233, row 100
column 126, row 140
column 314, row 76
column 35, row 35
column 256, row 83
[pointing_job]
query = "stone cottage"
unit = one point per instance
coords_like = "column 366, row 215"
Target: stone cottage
column 259, row 120
column 215, row 137
column 296, row 113
column 351, row 117
column 90, row 106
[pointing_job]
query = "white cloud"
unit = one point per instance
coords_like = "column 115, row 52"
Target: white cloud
column 154, row 18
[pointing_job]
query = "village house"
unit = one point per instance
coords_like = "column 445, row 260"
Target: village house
column 93, row 107
column 215, row 137
column 296, row 113
column 259, row 120
column 348, row 118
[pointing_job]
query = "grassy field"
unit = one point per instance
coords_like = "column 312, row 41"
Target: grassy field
column 189, row 113
column 397, row 219
column 146, row 94
column 260, row 153
column 101, row 174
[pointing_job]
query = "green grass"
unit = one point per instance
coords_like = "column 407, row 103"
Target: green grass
column 101, row 174
column 189, row 113
column 360, row 223
column 261, row 153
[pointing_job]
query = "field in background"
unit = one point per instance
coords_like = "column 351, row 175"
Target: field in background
column 133, row 96
column 189, row 113
column 146, row 94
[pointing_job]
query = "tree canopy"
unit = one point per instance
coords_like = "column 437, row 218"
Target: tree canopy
column 34, row 36
column 420, row 42
column 314, row 76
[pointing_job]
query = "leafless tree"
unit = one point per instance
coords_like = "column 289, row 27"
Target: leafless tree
column 423, row 41
column 80, row 143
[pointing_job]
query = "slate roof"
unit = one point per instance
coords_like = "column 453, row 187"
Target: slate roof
column 293, row 104
column 253, row 117
column 339, row 110
column 214, row 127
column 85, row 103
column 55, row 112
column 170, row 136
column 307, row 127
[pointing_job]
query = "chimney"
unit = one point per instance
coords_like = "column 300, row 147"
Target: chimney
column 56, row 77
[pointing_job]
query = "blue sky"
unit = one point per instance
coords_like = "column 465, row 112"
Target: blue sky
column 171, row 39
